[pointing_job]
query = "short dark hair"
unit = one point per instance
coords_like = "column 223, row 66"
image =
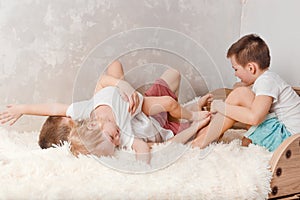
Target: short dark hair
column 250, row 48
column 54, row 131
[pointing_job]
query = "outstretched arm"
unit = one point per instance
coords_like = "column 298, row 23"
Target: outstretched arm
column 14, row 112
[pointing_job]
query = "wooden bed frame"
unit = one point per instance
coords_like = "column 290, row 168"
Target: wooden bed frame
column 284, row 164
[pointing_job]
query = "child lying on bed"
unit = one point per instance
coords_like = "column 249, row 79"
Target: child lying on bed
column 271, row 109
column 152, row 105
column 111, row 125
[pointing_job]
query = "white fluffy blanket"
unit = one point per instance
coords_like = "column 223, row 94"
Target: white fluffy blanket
column 221, row 171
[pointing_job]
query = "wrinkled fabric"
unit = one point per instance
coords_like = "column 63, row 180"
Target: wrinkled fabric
column 161, row 88
column 269, row 134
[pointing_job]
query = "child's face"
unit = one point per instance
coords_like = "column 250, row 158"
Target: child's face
column 111, row 136
column 111, row 131
column 241, row 72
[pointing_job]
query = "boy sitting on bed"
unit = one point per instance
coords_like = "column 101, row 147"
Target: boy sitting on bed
column 152, row 105
column 271, row 109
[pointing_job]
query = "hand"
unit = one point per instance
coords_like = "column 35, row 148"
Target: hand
column 11, row 114
column 205, row 100
column 129, row 95
column 200, row 124
column 134, row 102
column 218, row 106
column 200, row 115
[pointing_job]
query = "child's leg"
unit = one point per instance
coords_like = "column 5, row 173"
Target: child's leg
column 160, row 97
column 155, row 105
column 242, row 96
column 170, row 111
column 167, row 103
column 166, row 85
column 115, row 69
column 172, row 77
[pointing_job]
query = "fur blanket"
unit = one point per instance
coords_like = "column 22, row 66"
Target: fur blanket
column 176, row 172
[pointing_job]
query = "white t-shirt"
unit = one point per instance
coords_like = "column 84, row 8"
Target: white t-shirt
column 136, row 125
column 286, row 102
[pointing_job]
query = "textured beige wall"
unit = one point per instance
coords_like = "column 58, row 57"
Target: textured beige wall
column 46, row 45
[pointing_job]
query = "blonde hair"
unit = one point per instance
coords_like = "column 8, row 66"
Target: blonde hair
column 86, row 138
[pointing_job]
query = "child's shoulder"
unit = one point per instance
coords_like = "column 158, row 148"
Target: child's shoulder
column 269, row 81
column 269, row 76
column 269, row 73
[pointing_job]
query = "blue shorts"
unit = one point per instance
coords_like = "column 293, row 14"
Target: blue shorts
column 270, row 133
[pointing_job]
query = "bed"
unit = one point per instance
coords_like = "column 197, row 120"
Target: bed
column 222, row 170
column 285, row 162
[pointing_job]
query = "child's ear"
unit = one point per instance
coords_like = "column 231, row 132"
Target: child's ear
column 252, row 67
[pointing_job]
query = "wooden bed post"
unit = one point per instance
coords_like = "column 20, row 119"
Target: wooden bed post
column 285, row 166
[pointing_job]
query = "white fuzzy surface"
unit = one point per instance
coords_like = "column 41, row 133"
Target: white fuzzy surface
column 221, row 171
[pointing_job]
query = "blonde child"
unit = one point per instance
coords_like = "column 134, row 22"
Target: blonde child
column 271, row 109
column 84, row 109
column 118, row 128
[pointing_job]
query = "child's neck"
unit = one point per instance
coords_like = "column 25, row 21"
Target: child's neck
column 261, row 71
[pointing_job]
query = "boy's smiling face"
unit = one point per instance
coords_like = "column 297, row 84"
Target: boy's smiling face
column 243, row 73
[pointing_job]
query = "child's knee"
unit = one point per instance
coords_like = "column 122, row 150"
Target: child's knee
column 174, row 73
column 237, row 95
column 172, row 78
column 116, row 63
